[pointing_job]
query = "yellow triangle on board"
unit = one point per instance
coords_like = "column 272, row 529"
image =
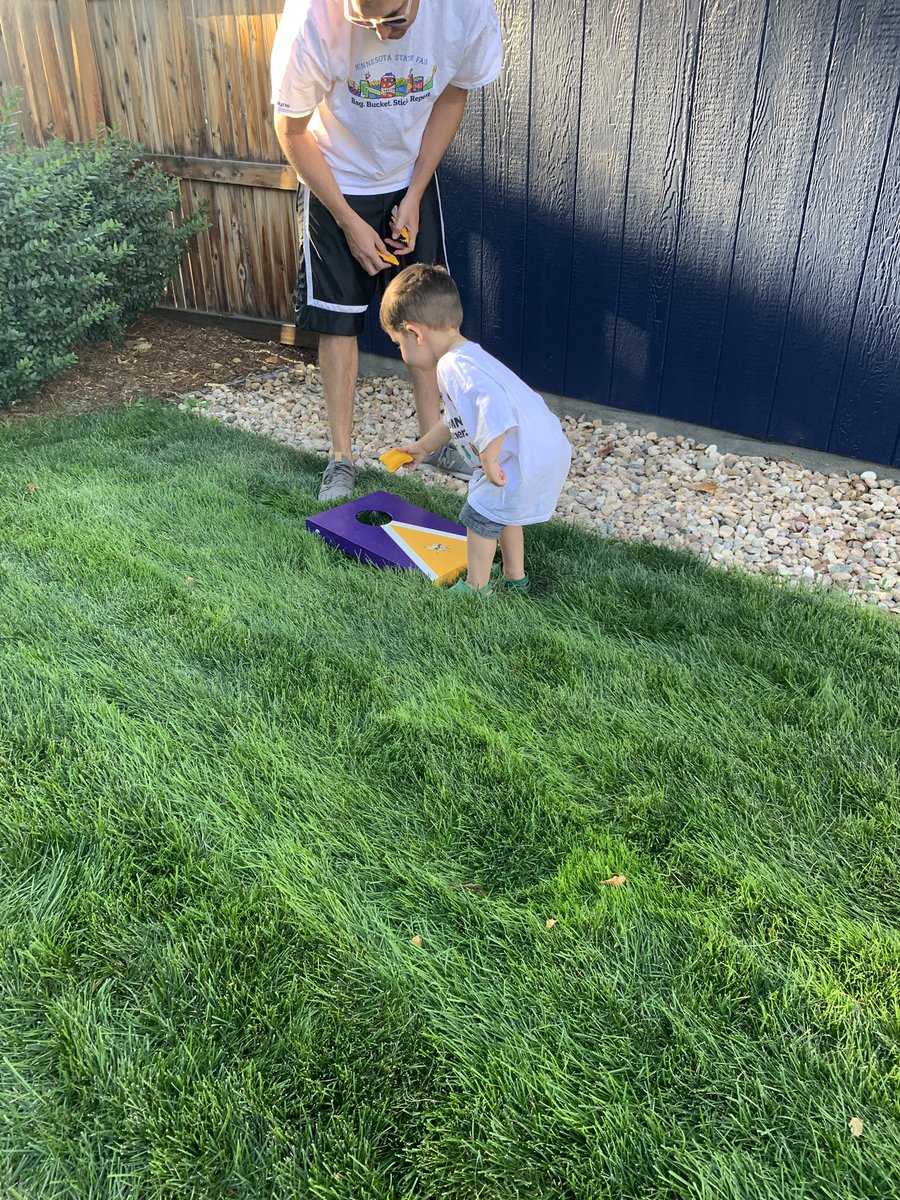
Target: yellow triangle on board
column 443, row 555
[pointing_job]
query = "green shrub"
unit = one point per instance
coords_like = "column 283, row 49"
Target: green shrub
column 88, row 242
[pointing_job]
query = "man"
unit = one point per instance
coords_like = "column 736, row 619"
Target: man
column 368, row 95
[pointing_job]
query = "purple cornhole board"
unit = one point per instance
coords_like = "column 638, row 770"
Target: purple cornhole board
column 369, row 543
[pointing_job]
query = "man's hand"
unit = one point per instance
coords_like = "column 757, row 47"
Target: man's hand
column 305, row 157
column 365, row 244
column 407, row 218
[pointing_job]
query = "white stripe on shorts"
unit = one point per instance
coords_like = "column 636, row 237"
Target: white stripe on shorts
column 441, row 215
column 307, row 258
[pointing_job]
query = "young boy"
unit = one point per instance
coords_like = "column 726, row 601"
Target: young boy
column 516, row 445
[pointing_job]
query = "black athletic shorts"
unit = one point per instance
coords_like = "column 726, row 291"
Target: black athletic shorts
column 333, row 290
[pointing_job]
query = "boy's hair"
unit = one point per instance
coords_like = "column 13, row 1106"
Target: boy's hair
column 424, row 294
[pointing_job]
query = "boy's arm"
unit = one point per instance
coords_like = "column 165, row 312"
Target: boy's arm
column 437, row 436
column 302, row 152
column 490, row 461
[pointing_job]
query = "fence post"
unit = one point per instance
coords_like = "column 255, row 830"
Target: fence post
column 73, row 15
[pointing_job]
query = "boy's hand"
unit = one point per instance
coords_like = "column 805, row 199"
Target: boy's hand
column 415, row 452
column 494, row 473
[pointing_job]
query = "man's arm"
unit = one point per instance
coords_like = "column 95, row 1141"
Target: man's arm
column 443, row 123
column 302, row 152
column 442, row 127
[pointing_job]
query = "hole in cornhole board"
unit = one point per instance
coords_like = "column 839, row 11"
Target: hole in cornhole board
column 374, row 516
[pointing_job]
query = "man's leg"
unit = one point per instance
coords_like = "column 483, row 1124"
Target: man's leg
column 428, row 412
column 339, row 364
column 333, row 293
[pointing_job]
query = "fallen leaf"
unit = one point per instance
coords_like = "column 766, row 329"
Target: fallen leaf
column 615, row 881
column 416, row 941
column 189, row 579
column 550, row 922
column 30, row 489
column 470, row 887
column 707, row 486
column 606, row 449
column 855, row 1126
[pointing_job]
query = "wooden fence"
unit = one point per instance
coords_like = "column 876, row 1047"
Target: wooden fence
column 189, row 81
column 679, row 207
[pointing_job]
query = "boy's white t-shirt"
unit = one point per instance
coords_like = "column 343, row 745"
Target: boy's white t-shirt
column 371, row 99
column 483, row 399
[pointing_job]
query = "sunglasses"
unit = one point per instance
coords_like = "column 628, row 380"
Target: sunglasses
column 376, row 22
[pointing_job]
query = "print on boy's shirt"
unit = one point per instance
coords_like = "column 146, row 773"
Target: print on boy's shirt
column 395, row 85
column 461, row 439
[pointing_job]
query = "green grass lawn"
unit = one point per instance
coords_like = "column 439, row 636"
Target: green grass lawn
column 239, row 773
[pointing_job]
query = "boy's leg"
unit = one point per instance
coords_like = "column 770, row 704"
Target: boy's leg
column 481, row 546
column 512, row 548
column 480, row 552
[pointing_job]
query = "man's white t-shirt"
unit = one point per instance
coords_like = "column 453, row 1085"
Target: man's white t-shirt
column 371, row 99
column 483, row 399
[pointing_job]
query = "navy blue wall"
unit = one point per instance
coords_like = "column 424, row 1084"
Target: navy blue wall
column 692, row 208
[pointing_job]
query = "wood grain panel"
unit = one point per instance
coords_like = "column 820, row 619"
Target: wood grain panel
column 8, row 75
column 725, row 87
column 21, row 35
column 611, row 37
column 663, row 93
column 556, row 80
column 867, row 421
column 50, row 57
column 793, row 74
column 232, row 171
column 850, row 158
column 84, row 77
column 504, row 182
column 216, row 114
column 119, row 69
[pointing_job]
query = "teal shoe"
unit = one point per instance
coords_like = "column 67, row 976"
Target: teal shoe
column 462, row 588
column 518, row 587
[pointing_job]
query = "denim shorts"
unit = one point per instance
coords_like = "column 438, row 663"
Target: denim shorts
column 478, row 524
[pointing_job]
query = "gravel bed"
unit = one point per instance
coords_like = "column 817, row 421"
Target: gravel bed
column 765, row 514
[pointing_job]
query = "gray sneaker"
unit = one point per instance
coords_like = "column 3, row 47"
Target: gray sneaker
column 449, row 460
column 339, row 479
